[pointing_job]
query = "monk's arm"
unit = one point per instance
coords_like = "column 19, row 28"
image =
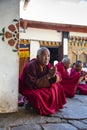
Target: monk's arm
column 50, row 78
column 43, row 82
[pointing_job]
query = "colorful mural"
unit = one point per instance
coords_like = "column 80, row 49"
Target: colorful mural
column 24, row 49
column 11, row 34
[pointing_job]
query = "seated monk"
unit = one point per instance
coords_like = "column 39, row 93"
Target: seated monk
column 82, row 84
column 39, row 83
column 69, row 82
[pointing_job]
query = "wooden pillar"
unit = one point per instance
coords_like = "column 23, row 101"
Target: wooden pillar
column 65, row 43
column 60, row 49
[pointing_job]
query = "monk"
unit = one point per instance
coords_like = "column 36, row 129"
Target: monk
column 39, row 83
column 69, row 82
column 82, row 84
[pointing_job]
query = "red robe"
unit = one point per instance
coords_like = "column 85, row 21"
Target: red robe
column 81, row 88
column 46, row 100
column 68, row 81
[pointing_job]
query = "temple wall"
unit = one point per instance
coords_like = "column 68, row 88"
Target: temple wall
column 9, row 61
column 41, row 34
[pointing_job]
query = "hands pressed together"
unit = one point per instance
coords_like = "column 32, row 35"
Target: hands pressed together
column 52, row 72
column 83, row 73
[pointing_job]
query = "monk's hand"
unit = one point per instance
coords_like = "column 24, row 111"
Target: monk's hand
column 86, row 78
column 52, row 72
column 83, row 73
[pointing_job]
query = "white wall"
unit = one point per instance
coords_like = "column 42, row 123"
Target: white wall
column 41, row 34
column 34, row 46
column 9, row 62
column 56, row 11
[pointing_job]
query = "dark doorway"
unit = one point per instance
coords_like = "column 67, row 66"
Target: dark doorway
column 54, row 54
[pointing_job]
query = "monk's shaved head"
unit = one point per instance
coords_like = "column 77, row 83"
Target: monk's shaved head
column 66, row 62
column 42, row 50
column 78, row 62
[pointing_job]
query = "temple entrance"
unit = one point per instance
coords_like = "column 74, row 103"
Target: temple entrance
column 54, row 54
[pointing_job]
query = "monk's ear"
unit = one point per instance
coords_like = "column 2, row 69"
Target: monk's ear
column 37, row 57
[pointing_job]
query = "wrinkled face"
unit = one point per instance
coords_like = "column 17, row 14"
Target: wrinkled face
column 67, row 64
column 44, row 58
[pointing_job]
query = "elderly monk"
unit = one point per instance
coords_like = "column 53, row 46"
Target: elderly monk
column 69, row 82
column 82, row 84
column 39, row 83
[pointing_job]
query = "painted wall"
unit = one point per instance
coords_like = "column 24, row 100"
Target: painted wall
column 9, row 61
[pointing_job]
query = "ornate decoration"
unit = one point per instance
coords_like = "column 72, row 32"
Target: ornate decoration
column 12, row 34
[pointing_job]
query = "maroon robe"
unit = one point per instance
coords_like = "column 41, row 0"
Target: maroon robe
column 81, row 87
column 46, row 100
column 69, row 82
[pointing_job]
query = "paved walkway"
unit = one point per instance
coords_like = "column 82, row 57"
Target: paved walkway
column 72, row 117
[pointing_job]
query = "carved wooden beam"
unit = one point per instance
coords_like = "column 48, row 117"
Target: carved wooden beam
column 53, row 26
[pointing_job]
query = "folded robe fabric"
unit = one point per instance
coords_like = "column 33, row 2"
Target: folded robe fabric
column 69, row 82
column 82, row 86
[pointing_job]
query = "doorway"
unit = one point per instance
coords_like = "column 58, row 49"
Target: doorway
column 53, row 54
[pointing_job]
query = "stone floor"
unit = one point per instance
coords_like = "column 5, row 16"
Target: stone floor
column 72, row 117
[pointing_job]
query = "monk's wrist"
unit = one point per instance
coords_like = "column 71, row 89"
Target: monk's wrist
column 49, row 77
